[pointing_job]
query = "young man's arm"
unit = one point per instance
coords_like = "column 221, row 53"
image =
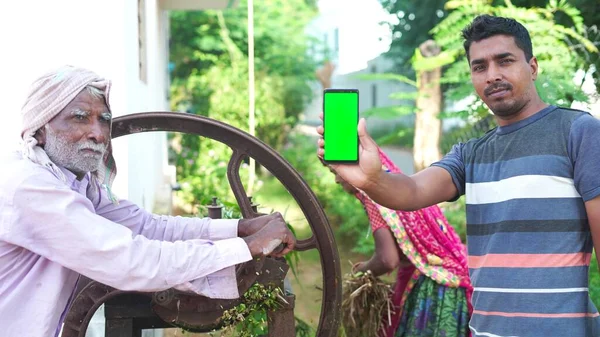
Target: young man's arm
column 399, row 191
column 409, row 193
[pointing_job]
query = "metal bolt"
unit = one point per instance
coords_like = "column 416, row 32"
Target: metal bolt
column 214, row 210
column 164, row 297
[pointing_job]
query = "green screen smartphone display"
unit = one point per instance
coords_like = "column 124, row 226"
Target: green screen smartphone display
column 340, row 123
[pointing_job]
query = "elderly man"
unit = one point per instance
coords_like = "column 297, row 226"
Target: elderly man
column 59, row 219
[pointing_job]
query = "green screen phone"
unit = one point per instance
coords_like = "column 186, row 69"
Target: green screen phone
column 340, row 123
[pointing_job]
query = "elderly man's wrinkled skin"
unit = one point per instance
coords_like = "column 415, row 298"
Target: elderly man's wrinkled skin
column 78, row 136
column 260, row 231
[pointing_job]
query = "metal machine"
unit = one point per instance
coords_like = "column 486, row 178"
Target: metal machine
column 127, row 313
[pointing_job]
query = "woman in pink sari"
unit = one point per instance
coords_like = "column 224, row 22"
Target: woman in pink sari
column 432, row 292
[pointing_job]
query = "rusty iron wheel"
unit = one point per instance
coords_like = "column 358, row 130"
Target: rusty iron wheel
column 92, row 294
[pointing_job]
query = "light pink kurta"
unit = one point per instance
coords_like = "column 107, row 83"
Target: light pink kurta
column 50, row 232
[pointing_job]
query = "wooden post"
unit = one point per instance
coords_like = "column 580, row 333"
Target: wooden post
column 428, row 126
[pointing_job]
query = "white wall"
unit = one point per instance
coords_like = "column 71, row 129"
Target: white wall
column 145, row 158
column 37, row 36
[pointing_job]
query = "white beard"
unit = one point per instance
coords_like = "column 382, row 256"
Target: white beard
column 69, row 155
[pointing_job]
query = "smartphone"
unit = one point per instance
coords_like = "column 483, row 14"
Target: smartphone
column 340, row 124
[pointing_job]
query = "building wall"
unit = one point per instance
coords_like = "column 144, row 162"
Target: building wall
column 146, row 153
column 38, row 36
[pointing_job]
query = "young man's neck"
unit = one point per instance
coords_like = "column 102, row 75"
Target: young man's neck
column 531, row 108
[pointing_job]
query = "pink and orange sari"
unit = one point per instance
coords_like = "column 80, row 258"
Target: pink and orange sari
column 432, row 296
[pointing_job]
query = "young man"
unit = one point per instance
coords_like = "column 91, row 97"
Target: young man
column 58, row 218
column 532, row 188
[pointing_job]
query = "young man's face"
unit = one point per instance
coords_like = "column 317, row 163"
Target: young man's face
column 501, row 75
column 78, row 136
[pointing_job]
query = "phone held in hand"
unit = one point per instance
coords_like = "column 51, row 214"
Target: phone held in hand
column 340, row 124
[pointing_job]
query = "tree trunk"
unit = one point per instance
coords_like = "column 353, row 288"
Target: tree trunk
column 324, row 74
column 428, row 126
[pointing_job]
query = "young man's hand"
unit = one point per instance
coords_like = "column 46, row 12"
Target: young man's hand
column 367, row 173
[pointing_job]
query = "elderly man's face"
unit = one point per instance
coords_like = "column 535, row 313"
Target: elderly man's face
column 77, row 137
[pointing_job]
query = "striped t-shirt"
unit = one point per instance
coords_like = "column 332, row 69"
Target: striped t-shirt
column 528, row 237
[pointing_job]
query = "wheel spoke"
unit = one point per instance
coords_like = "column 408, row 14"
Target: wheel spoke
column 304, row 245
column 237, row 187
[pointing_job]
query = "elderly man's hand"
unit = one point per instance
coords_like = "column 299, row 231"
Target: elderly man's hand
column 268, row 239
column 247, row 227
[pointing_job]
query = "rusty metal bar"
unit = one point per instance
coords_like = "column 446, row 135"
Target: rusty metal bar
column 87, row 301
column 122, row 328
column 282, row 322
column 303, row 245
column 215, row 211
column 237, row 187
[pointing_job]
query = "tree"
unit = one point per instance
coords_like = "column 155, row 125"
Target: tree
column 552, row 44
column 590, row 13
column 415, row 20
column 209, row 77
column 428, row 126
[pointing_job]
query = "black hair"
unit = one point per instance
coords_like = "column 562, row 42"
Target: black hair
column 485, row 26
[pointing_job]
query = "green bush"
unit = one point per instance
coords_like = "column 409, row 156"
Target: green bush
column 207, row 176
column 594, row 281
column 209, row 77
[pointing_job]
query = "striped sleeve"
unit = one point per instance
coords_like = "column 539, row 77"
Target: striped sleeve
column 454, row 164
column 584, row 151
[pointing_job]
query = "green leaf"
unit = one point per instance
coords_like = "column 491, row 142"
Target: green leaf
column 421, row 63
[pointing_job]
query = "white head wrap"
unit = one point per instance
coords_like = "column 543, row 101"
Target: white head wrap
column 47, row 97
